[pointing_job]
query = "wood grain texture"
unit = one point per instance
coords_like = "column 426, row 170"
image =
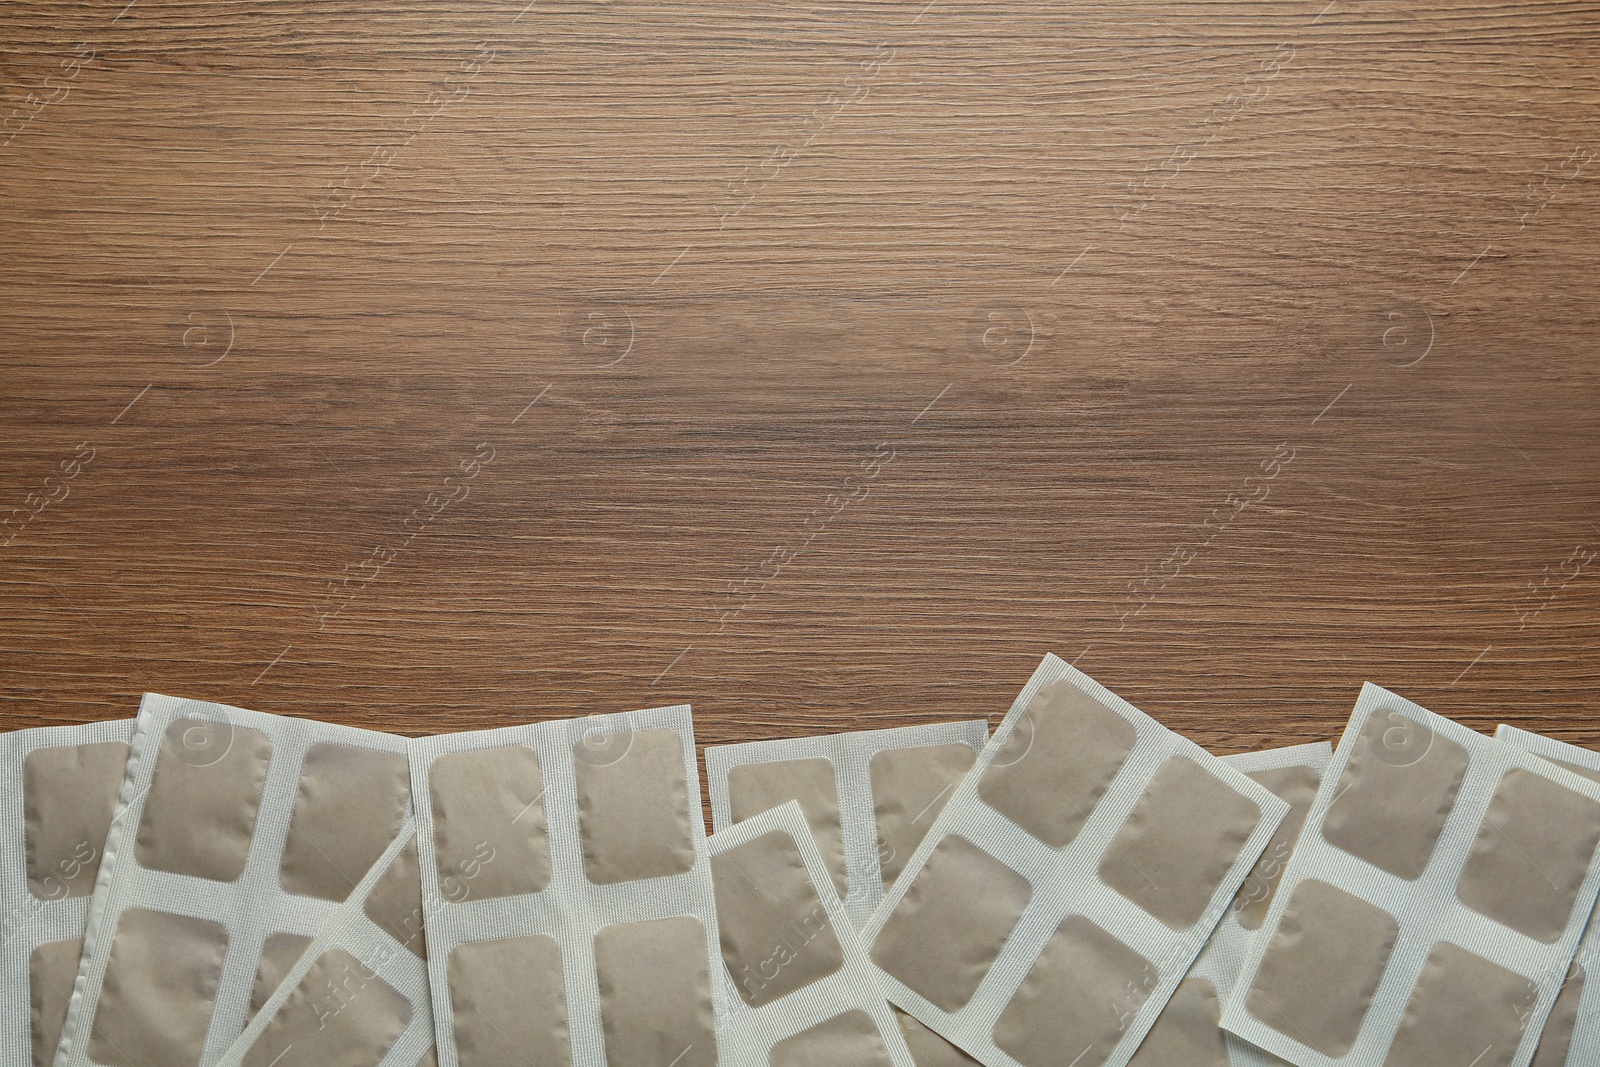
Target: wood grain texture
column 835, row 360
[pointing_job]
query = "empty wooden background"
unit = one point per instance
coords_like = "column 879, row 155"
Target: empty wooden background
column 431, row 366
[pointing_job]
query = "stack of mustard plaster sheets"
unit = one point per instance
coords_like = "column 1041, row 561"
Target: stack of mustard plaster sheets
column 213, row 887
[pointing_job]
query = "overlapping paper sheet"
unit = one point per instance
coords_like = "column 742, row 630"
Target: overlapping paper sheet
column 358, row 994
column 58, row 793
column 571, row 915
column 237, row 834
column 869, row 796
column 1189, row 1031
column 801, row 991
column 1571, row 1037
column 1090, row 849
column 1432, row 905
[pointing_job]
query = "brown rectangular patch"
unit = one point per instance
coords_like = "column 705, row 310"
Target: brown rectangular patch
column 633, row 808
column 655, row 993
column 1531, row 855
column 1395, row 794
column 1183, row 836
column 69, row 795
column 200, row 811
column 508, row 1003
column 489, row 832
column 159, row 988
column 1073, row 1006
column 348, row 809
column 1322, row 967
column 1463, row 1010
column 775, row 933
column 929, row 1048
column 1057, row 762
column 1556, row 1040
column 953, row 920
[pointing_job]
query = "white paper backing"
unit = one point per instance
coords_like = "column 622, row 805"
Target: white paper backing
column 28, row 921
column 751, row 1032
column 1065, row 881
column 1426, row 909
column 253, row 907
column 851, row 755
column 570, row 909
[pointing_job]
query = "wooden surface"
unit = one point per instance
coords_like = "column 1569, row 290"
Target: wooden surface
column 444, row 366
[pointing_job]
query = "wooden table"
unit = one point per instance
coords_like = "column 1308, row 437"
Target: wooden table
column 441, row 366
